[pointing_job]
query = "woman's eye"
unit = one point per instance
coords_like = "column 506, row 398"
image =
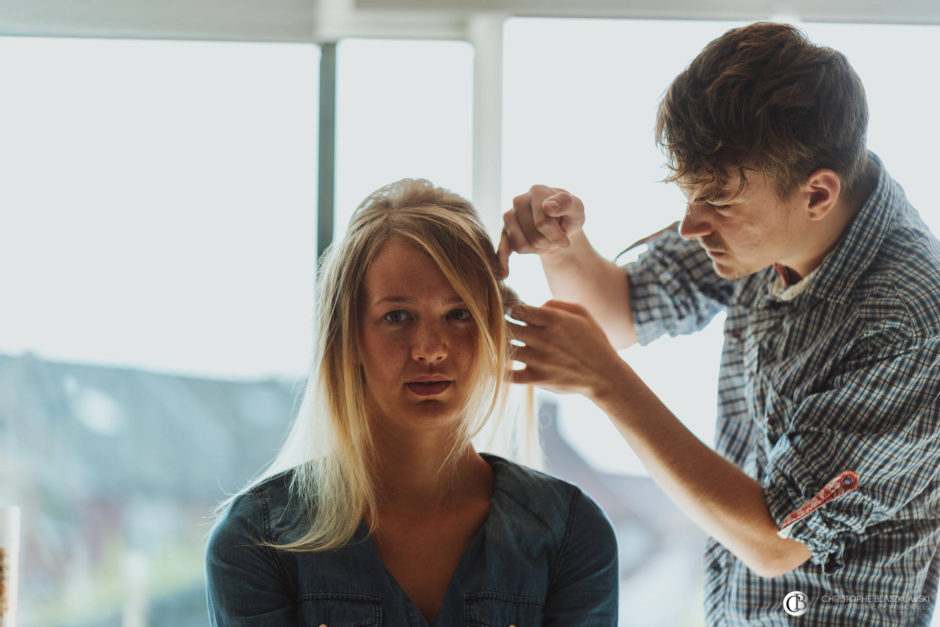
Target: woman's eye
column 396, row 316
column 459, row 314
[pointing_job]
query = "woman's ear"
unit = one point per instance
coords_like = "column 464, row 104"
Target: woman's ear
column 823, row 189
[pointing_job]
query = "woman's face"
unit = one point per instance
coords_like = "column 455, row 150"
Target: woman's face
column 417, row 341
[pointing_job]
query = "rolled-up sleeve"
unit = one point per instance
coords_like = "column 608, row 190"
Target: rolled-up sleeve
column 880, row 420
column 674, row 289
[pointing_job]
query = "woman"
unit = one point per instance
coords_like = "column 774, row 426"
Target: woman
column 378, row 510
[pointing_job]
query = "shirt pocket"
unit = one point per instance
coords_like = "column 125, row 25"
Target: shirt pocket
column 497, row 609
column 338, row 609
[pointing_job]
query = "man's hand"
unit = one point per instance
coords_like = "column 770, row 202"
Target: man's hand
column 541, row 221
column 564, row 350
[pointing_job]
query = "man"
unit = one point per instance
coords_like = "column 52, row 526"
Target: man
column 831, row 361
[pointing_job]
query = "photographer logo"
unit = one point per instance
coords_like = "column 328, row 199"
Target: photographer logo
column 795, row 603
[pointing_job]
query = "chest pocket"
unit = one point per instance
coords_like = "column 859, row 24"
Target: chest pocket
column 336, row 609
column 495, row 609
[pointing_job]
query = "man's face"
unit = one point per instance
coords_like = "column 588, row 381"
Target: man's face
column 744, row 232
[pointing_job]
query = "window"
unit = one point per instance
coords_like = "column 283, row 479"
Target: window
column 404, row 110
column 159, row 215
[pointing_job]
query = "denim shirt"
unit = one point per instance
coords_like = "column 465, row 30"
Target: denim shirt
column 545, row 555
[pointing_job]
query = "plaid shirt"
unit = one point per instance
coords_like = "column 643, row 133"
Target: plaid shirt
column 843, row 376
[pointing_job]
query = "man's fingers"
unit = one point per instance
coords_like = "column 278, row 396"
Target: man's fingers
column 543, row 219
column 517, row 238
column 540, row 230
column 566, row 210
column 548, row 226
column 532, row 316
column 547, row 314
column 521, row 332
column 533, row 370
column 525, row 354
column 525, row 376
column 502, row 254
column 552, row 207
column 574, row 308
column 522, row 214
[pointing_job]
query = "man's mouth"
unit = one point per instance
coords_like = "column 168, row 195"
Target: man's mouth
column 712, row 249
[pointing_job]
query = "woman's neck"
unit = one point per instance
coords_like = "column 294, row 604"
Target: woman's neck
column 414, row 474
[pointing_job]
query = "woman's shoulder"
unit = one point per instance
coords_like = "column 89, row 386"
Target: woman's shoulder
column 264, row 511
column 552, row 501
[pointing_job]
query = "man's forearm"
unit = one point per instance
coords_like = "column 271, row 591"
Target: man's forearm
column 725, row 502
column 579, row 274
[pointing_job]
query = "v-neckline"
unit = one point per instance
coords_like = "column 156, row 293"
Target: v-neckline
column 451, row 584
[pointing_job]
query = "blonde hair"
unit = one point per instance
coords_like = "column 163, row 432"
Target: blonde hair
column 330, row 446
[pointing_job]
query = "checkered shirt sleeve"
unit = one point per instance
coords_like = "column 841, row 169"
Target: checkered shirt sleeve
column 673, row 289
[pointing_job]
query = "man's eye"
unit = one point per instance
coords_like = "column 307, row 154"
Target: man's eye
column 396, row 316
column 459, row 314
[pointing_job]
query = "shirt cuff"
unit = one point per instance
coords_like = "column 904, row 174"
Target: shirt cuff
column 825, row 541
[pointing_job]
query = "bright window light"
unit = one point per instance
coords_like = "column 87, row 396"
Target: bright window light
column 158, row 203
column 404, row 109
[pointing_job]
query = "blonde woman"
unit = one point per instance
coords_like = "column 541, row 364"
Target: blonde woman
column 379, row 510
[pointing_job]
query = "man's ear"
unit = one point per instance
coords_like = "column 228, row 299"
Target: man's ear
column 822, row 189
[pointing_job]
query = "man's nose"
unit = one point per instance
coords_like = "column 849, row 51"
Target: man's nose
column 696, row 222
column 430, row 343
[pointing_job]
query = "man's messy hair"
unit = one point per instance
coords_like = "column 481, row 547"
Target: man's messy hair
column 764, row 97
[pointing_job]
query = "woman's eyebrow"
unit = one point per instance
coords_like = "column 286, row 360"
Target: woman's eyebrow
column 392, row 299
column 455, row 300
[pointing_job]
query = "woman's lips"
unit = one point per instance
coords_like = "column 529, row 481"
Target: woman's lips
column 428, row 388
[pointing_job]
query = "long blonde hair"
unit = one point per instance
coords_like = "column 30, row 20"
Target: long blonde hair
column 330, row 446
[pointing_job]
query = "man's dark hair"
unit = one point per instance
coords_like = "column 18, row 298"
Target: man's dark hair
column 764, row 97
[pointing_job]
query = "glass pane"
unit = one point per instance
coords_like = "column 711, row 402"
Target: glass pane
column 159, row 203
column 404, row 109
column 156, row 265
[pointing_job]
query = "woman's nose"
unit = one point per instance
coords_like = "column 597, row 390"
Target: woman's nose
column 695, row 223
column 430, row 343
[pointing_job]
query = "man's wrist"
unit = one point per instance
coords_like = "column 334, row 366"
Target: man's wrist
column 607, row 392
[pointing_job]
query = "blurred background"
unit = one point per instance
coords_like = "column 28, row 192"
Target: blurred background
column 162, row 202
